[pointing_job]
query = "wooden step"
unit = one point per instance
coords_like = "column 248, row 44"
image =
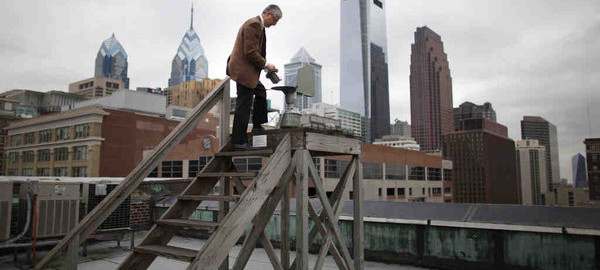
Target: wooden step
column 232, row 198
column 171, row 252
column 261, row 152
column 200, row 224
column 228, row 174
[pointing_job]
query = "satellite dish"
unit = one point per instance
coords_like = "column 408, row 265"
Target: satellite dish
column 306, row 81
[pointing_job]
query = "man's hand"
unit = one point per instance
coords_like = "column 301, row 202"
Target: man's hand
column 270, row 67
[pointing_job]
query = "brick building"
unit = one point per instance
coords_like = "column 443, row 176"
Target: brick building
column 96, row 87
column 484, row 163
column 97, row 141
column 592, row 151
column 189, row 93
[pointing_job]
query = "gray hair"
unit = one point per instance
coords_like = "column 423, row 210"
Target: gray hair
column 274, row 9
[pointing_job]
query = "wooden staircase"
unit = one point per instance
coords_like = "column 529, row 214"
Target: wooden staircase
column 230, row 228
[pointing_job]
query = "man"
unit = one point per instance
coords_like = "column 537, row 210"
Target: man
column 247, row 60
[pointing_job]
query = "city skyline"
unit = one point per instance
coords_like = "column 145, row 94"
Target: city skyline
column 541, row 51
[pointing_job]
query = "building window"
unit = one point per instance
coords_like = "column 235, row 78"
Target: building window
column 27, row 172
column 79, row 172
column 13, row 172
column 395, row 172
column 153, row 173
column 334, row 167
column 389, row 192
column 15, row 140
column 61, row 154
column 447, row 190
column 196, row 166
column 247, row 164
column 447, row 175
column 28, row 157
column 410, row 191
column 45, row 135
column 434, row 174
column 44, row 155
column 60, row 171
column 400, row 191
column 82, row 131
column 43, row 172
column 436, row 191
column 172, row 168
column 29, row 138
column 378, row 3
column 416, row 173
column 317, row 162
column 13, row 158
column 379, row 192
column 571, row 198
column 372, row 170
column 63, row 133
column 80, row 152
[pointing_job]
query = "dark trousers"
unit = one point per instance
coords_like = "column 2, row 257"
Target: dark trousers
column 243, row 105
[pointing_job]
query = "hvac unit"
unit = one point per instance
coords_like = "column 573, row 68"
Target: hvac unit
column 6, row 192
column 56, row 205
column 96, row 192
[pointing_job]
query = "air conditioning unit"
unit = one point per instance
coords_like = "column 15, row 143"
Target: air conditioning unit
column 6, row 192
column 94, row 193
column 56, row 204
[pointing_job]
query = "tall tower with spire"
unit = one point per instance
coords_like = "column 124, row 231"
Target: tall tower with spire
column 189, row 63
column 111, row 61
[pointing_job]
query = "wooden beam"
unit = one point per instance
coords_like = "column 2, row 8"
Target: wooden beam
column 233, row 226
column 331, row 220
column 320, row 227
column 223, row 210
column 136, row 176
column 358, row 225
column 262, row 219
column 285, row 227
column 72, row 254
column 333, row 144
column 302, row 211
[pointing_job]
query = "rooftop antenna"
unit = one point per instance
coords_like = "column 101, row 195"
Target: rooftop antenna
column 192, row 17
column 589, row 120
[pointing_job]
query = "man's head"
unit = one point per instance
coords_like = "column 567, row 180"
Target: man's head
column 271, row 14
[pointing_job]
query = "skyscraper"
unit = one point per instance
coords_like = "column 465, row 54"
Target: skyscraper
column 468, row 110
column 401, row 128
column 537, row 128
column 431, row 108
column 579, row 172
column 531, row 167
column 190, row 63
column 111, row 61
column 302, row 59
column 483, row 161
column 358, row 36
column 592, row 153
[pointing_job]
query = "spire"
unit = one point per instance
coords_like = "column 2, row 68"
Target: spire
column 113, row 35
column 192, row 20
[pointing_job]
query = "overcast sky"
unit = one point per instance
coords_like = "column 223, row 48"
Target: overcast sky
column 529, row 57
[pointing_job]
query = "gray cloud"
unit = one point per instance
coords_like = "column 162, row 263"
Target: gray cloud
column 536, row 57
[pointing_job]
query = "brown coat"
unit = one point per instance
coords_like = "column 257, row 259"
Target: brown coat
column 248, row 56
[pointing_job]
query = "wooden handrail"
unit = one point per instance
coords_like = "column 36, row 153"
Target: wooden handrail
column 141, row 171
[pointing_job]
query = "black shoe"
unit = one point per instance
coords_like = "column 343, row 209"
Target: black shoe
column 241, row 146
column 258, row 129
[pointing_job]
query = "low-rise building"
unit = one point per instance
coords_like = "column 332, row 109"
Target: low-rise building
column 568, row 196
column 96, row 87
column 592, row 151
column 351, row 121
column 398, row 142
column 189, row 93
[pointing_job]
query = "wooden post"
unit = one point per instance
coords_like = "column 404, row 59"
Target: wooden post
column 285, row 227
column 223, row 210
column 358, row 226
column 301, row 211
column 70, row 262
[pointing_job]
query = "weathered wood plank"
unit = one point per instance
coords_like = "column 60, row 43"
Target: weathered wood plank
column 359, row 227
column 262, row 219
column 302, row 211
column 285, row 228
column 332, row 144
column 199, row 224
column 220, row 198
column 251, row 153
column 170, row 252
column 72, row 254
column 320, row 227
column 223, row 210
column 234, row 224
column 135, row 177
